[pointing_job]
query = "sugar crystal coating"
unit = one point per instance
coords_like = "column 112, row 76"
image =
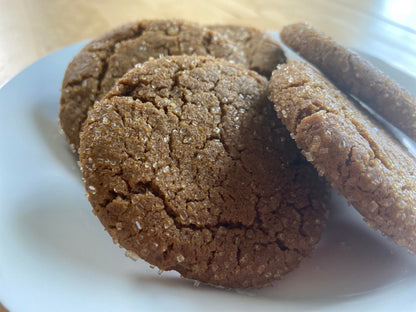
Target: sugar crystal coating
column 360, row 159
column 239, row 207
column 93, row 71
column 353, row 74
column 263, row 53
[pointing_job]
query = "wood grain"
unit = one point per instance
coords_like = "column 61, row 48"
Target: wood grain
column 31, row 29
column 3, row 309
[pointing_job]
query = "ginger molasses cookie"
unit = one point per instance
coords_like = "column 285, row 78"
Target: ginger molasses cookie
column 93, row 72
column 187, row 166
column 261, row 50
column 360, row 159
column 353, row 74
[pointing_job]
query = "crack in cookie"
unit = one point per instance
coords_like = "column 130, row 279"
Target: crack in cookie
column 236, row 207
column 359, row 158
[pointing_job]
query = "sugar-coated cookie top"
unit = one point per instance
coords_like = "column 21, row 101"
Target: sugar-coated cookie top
column 187, row 166
column 95, row 69
column 360, row 159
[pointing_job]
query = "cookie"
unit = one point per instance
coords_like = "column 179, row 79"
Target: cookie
column 358, row 157
column 93, row 72
column 261, row 50
column 353, row 74
column 187, row 166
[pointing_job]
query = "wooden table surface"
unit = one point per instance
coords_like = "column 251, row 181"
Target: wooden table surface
column 31, row 29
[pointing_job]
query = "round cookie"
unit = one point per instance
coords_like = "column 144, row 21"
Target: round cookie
column 360, row 159
column 94, row 71
column 261, row 50
column 187, row 166
column 353, row 74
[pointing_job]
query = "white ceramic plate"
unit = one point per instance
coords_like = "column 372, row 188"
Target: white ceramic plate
column 55, row 255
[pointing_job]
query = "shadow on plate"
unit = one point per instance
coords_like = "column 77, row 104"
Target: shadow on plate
column 351, row 260
column 45, row 117
column 58, row 224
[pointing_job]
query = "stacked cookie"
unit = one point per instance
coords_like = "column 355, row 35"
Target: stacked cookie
column 188, row 166
column 94, row 71
column 363, row 161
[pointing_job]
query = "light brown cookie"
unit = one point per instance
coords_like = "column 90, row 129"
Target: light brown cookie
column 360, row 159
column 93, row 72
column 353, row 74
column 261, row 50
column 187, row 166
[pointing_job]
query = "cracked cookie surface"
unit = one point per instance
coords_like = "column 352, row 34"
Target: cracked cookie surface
column 262, row 52
column 360, row 159
column 95, row 69
column 352, row 73
column 187, row 166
